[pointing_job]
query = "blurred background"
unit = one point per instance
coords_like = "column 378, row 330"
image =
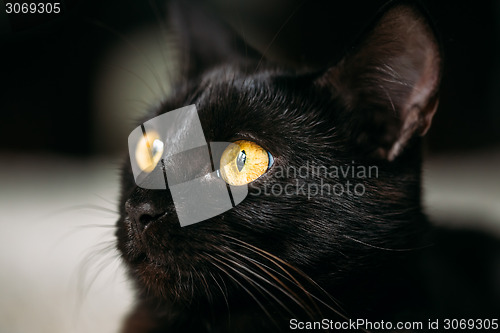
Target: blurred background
column 74, row 83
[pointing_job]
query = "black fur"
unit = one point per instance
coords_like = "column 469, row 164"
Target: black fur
column 277, row 257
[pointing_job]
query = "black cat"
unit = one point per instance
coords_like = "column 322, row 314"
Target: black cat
column 290, row 256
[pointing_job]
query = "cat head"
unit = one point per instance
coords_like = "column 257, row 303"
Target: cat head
column 322, row 129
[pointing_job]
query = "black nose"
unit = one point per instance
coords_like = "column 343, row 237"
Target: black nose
column 143, row 213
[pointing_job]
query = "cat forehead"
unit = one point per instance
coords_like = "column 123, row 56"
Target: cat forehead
column 233, row 72
column 252, row 76
column 228, row 81
column 232, row 90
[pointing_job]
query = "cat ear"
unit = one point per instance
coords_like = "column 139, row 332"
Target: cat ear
column 389, row 85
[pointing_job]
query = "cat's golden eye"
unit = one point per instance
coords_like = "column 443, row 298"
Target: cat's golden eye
column 243, row 162
column 149, row 151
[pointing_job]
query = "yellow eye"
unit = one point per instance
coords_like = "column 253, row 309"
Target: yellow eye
column 149, row 151
column 243, row 162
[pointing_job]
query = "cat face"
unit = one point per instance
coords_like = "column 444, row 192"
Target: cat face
column 318, row 127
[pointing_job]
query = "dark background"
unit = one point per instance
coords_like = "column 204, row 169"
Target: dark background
column 49, row 65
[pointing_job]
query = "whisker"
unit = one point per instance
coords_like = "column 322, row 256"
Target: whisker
column 299, row 272
column 103, row 254
column 113, row 203
column 135, row 75
column 258, row 285
column 293, row 280
column 289, row 292
column 207, row 287
column 269, row 256
column 79, row 207
column 133, row 47
column 223, row 294
column 143, row 105
column 164, row 34
column 79, row 228
column 387, row 249
column 190, row 282
column 246, row 290
column 268, row 47
column 90, row 226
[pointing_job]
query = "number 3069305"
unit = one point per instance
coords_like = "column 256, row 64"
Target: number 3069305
column 32, row 8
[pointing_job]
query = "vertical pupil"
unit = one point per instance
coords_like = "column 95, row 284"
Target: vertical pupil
column 241, row 159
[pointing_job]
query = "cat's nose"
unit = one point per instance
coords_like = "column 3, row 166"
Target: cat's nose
column 143, row 213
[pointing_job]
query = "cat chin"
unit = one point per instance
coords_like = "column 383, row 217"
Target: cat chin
column 171, row 284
